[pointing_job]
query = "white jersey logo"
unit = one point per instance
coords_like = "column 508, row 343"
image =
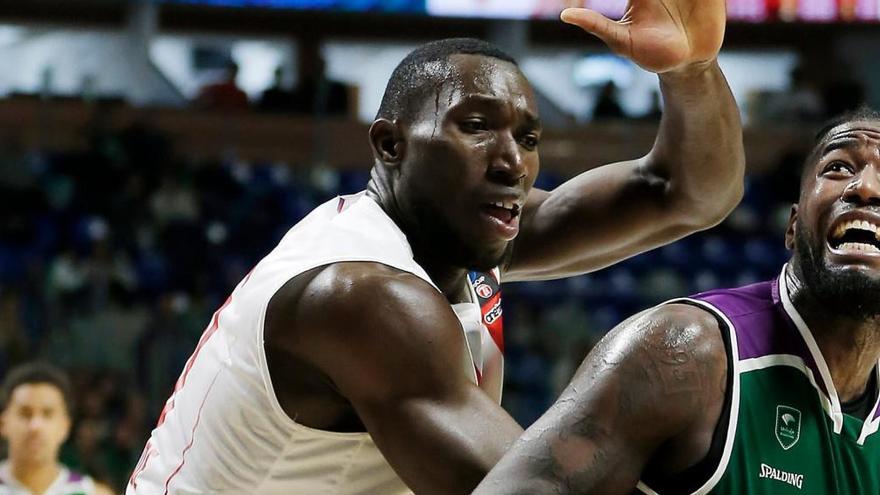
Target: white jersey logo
column 794, row 479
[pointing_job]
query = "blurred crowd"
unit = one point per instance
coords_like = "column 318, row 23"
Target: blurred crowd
column 314, row 94
column 113, row 259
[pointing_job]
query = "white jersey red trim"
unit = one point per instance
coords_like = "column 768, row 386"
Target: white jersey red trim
column 223, row 430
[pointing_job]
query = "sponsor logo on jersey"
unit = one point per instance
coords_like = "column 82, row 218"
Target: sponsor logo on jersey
column 484, row 291
column 771, row 473
column 788, row 426
column 494, row 313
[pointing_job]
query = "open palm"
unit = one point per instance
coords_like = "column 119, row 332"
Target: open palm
column 659, row 35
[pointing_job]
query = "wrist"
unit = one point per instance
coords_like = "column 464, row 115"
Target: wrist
column 692, row 70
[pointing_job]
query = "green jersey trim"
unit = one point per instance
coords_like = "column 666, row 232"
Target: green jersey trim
column 835, row 411
column 870, row 424
column 792, row 361
column 734, row 403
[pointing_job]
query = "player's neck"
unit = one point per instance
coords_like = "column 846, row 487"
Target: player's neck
column 36, row 477
column 850, row 346
column 451, row 280
column 851, row 351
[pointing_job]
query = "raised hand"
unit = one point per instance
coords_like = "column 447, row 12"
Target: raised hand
column 659, row 35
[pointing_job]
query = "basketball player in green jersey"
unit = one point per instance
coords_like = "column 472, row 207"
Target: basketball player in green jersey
column 764, row 389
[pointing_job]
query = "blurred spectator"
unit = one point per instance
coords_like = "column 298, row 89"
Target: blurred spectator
column 66, row 282
column 277, row 98
column 109, row 415
column 224, row 94
column 166, row 343
column 36, row 420
column 174, row 202
column 802, row 102
column 607, row 106
column 315, row 94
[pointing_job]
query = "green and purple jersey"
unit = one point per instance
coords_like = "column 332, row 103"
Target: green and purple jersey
column 785, row 431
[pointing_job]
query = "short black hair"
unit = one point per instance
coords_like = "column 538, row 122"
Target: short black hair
column 33, row 373
column 863, row 113
column 418, row 73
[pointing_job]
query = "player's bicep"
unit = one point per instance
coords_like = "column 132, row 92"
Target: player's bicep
column 594, row 220
column 396, row 351
column 643, row 385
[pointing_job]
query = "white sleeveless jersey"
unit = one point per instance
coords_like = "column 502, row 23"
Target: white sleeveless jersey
column 223, row 431
column 67, row 483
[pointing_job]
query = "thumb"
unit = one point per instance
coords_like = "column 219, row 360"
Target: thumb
column 611, row 32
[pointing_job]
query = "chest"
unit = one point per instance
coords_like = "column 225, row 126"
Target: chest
column 786, row 442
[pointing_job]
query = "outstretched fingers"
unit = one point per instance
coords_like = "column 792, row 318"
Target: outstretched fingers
column 613, row 33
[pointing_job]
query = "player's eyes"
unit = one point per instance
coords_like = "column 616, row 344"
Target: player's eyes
column 530, row 141
column 839, row 167
column 475, row 124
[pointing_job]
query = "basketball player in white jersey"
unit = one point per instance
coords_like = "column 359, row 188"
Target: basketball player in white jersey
column 35, row 422
column 363, row 354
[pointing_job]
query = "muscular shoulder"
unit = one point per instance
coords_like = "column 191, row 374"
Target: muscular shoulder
column 666, row 365
column 367, row 292
column 678, row 328
column 373, row 286
column 366, row 317
column 680, row 350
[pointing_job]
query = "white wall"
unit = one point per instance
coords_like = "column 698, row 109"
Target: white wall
column 366, row 65
column 72, row 61
column 72, row 56
column 256, row 58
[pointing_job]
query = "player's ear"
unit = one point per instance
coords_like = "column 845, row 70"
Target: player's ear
column 386, row 138
column 791, row 229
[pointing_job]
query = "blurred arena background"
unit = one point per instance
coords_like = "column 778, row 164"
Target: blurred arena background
column 152, row 152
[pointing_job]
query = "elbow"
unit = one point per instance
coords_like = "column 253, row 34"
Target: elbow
column 706, row 206
column 704, row 210
column 699, row 199
column 716, row 211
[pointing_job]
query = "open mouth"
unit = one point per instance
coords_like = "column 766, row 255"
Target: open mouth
column 856, row 237
column 505, row 211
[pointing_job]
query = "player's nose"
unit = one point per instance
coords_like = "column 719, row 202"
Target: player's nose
column 36, row 423
column 507, row 165
column 864, row 189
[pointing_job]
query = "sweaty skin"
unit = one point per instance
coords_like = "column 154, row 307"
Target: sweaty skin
column 842, row 185
column 356, row 347
column 648, row 398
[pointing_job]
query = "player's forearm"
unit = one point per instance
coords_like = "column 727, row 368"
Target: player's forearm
column 442, row 447
column 699, row 147
column 562, row 460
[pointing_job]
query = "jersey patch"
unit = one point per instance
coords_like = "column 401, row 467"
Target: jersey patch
column 788, row 426
column 488, row 290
